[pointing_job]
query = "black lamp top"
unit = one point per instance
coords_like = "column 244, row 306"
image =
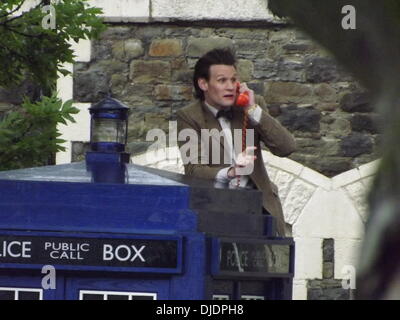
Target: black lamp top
column 108, row 103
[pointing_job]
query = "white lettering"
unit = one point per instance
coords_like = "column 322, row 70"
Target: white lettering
column 107, row 252
column 49, row 20
column 349, row 20
column 128, row 253
column 16, row 249
column 137, row 253
column 349, row 279
column 49, row 280
column 25, row 249
column 122, row 253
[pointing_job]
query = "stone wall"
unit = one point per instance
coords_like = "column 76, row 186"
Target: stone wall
column 149, row 67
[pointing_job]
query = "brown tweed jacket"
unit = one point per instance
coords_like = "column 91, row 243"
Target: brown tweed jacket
column 279, row 141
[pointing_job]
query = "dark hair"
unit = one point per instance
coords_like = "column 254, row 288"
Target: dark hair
column 202, row 68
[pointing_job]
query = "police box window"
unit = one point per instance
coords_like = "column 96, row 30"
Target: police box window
column 20, row 294
column 115, row 295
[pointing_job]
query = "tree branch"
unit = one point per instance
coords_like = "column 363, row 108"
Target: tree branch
column 15, row 10
column 17, row 17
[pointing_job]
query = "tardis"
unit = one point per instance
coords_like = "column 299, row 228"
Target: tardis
column 104, row 229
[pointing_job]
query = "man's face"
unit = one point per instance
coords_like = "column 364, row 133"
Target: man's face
column 220, row 89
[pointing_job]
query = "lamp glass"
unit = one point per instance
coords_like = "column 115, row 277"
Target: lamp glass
column 108, row 130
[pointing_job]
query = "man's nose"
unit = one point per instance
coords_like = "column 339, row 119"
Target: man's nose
column 231, row 85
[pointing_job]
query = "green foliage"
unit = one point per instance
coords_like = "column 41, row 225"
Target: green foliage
column 28, row 49
column 30, row 137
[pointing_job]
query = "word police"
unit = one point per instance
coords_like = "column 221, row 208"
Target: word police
column 15, row 249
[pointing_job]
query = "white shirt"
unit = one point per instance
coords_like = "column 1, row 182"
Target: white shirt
column 222, row 175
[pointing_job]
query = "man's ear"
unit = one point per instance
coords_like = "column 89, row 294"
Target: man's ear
column 203, row 85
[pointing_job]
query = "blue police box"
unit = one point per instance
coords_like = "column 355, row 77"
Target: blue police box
column 158, row 235
column 108, row 230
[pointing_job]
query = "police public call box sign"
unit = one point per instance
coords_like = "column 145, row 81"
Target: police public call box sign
column 258, row 259
column 144, row 253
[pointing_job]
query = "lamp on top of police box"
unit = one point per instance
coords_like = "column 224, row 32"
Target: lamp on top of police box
column 109, row 126
column 108, row 137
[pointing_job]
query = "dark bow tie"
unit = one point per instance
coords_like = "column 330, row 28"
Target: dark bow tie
column 228, row 113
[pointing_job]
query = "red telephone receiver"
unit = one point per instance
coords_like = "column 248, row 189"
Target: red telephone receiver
column 242, row 100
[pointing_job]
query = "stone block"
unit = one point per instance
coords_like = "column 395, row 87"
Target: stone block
column 325, row 93
column 308, row 263
column 285, row 164
column 323, row 69
column 365, row 123
column 300, row 119
column 162, row 10
column 300, row 193
column 291, row 70
column 199, row 46
column 184, row 76
column 328, row 250
column 328, row 270
column 299, row 290
column 165, row 92
column 118, row 81
column 91, row 85
column 346, row 254
column 356, row 102
column 315, row 178
column 82, row 50
column 340, row 128
column 335, row 292
column 102, row 49
column 265, row 69
column 356, row 144
column 358, row 193
column 115, row 33
column 118, row 50
column 369, row 169
column 178, row 63
column 133, row 49
column 166, row 48
column 123, row 10
column 283, row 180
column 65, row 84
column 245, row 70
column 297, row 47
column 288, row 92
column 346, row 178
column 111, row 66
column 329, row 214
column 153, row 71
column 250, row 49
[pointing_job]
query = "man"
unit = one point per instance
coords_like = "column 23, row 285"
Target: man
column 215, row 81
